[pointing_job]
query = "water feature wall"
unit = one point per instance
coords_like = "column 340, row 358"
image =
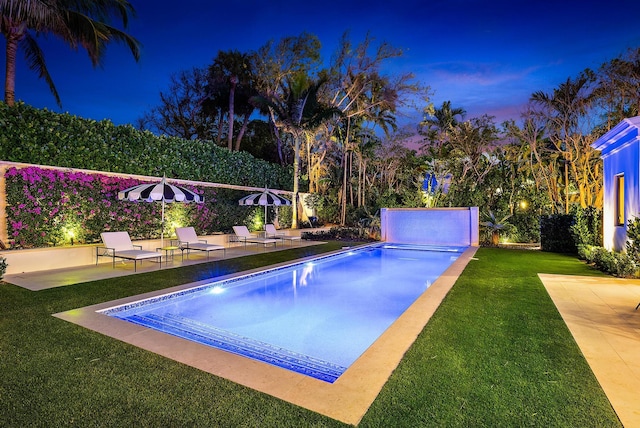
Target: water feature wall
column 433, row 226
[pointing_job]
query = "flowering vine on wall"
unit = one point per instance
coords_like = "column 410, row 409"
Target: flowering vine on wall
column 48, row 207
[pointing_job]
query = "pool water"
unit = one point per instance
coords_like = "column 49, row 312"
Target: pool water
column 315, row 317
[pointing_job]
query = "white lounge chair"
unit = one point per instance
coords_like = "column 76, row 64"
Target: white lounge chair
column 243, row 235
column 118, row 244
column 188, row 240
column 270, row 231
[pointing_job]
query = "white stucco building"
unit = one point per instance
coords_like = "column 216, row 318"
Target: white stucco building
column 620, row 152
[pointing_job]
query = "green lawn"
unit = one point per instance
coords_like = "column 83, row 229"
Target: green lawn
column 496, row 353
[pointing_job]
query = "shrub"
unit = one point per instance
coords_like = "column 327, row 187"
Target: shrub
column 625, row 266
column 555, row 233
column 614, row 263
column 586, row 252
column 587, row 226
column 49, row 138
column 338, row 234
column 3, row 266
column 603, row 259
column 49, row 207
column 526, row 228
column 633, row 238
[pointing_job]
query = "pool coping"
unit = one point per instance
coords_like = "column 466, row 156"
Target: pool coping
column 346, row 400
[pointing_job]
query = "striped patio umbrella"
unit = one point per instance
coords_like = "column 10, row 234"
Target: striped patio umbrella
column 266, row 199
column 162, row 191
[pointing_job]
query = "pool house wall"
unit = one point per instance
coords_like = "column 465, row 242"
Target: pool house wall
column 434, row 226
column 620, row 152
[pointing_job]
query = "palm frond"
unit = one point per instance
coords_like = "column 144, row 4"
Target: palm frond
column 36, row 62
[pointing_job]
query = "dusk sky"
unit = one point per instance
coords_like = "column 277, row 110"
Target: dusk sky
column 483, row 56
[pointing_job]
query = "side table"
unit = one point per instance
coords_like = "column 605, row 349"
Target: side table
column 168, row 252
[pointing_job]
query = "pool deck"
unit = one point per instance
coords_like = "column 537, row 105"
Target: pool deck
column 41, row 280
column 599, row 312
column 346, row 400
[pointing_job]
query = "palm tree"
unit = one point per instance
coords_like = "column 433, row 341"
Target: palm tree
column 299, row 113
column 439, row 122
column 230, row 87
column 563, row 110
column 82, row 23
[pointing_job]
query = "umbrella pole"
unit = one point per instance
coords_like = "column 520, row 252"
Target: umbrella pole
column 162, row 230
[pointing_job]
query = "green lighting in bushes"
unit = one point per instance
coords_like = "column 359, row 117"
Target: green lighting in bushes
column 176, row 215
column 51, row 207
column 70, row 233
column 257, row 222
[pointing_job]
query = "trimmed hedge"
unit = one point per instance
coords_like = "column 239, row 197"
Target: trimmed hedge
column 555, row 233
column 40, row 136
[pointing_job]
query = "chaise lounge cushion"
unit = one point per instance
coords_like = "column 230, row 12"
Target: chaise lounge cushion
column 118, row 244
column 188, row 240
column 272, row 232
column 243, row 235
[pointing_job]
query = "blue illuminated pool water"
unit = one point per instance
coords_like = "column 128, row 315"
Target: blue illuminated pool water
column 315, row 318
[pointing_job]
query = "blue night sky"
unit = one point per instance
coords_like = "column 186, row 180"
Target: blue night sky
column 483, row 56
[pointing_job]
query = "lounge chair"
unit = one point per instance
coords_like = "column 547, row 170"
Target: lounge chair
column 270, row 231
column 243, row 235
column 188, row 240
column 118, row 244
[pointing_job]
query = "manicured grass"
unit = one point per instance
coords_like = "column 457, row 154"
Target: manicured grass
column 496, row 353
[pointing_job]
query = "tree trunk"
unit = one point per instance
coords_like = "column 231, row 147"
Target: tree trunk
column 316, row 173
column 232, row 102
column 243, row 129
column 10, row 71
column 219, row 136
column 272, row 121
column 309, row 171
column 350, row 176
column 343, row 213
column 343, row 199
column 296, row 182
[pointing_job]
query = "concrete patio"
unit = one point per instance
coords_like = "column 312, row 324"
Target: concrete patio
column 43, row 279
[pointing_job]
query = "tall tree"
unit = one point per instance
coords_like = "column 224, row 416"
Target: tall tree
column 84, row 23
column 618, row 87
column 363, row 95
column 438, row 123
column 231, row 85
column 566, row 114
column 276, row 62
column 179, row 113
column 298, row 112
column 472, row 142
column 540, row 162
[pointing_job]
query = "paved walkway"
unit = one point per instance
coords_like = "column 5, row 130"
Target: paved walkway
column 41, row 280
column 600, row 313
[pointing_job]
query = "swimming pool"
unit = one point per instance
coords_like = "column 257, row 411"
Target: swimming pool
column 315, row 318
